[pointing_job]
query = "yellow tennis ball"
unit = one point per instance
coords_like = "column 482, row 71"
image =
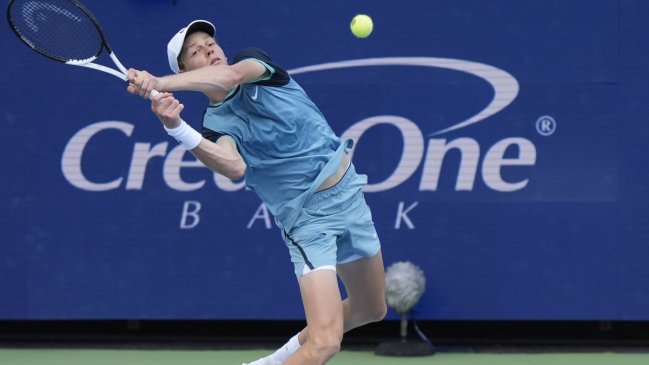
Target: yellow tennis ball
column 362, row 26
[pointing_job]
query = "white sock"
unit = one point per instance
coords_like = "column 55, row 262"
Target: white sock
column 285, row 351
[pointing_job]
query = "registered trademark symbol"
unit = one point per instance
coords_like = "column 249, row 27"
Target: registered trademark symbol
column 546, row 125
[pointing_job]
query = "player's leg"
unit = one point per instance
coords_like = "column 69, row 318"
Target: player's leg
column 360, row 265
column 363, row 277
column 342, row 207
column 324, row 316
column 364, row 281
column 314, row 257
column 283, row 352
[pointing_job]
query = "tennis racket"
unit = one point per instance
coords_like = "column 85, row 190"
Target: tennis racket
column 64, row 31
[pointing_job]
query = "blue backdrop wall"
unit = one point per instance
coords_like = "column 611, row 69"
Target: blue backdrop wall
column 505, row 144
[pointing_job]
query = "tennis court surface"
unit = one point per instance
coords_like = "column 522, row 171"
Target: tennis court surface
column 36, row 356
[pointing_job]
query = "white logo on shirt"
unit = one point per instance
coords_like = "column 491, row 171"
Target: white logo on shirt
column 254, row 97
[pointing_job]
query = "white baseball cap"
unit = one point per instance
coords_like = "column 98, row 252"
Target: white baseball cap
column 175, row 45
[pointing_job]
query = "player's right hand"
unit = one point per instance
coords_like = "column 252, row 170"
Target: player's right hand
column 167, row 108
column 140, row 82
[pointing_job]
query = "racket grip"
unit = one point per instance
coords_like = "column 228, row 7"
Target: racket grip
column 152, row 94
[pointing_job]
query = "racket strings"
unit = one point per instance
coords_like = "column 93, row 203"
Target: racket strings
column 57, row 28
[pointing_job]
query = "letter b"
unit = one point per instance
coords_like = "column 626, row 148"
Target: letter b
column 190, row 217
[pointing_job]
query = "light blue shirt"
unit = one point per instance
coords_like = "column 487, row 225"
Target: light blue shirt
column 287, row 144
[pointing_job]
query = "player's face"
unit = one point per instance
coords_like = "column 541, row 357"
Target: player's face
column 200, row 50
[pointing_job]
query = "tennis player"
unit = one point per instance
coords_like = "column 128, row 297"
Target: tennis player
column 261, row 125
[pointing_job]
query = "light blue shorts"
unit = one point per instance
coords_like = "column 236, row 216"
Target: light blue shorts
column 335, row 226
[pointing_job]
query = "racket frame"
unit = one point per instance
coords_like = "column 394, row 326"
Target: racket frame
column 89, row 62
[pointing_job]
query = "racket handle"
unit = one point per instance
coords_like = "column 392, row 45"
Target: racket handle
column 153, row 92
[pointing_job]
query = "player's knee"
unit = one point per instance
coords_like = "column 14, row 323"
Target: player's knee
column 376, row 312
column 381, row 311
column 373, row 310
column 327, row 350
column 324, row 347
column 367, row 312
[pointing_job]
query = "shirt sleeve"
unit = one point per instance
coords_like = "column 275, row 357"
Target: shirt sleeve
column 278, row 75
column 211, row 135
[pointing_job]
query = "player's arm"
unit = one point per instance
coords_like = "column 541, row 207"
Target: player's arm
column 215, row 81
column 217, row 78
column 221, row 156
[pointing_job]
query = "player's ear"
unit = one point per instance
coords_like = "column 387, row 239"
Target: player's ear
column 181, row 64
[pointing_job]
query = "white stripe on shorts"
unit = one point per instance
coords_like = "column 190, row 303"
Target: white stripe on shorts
column 306, row 270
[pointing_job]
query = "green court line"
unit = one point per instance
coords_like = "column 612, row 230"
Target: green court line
column 232, row 357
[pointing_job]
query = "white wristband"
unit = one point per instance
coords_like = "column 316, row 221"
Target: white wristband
column 185, row 135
